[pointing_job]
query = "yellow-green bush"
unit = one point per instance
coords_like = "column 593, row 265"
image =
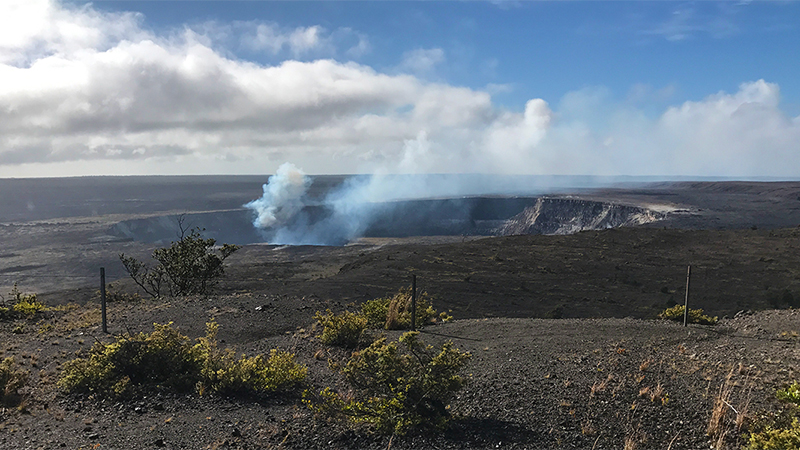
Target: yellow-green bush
column 781, row 430
column 119, row 369
column 344, row 330
column 23, row 306
column 776, row 438
column 392, row 313
column 396, row 389
column 790, row 393
column 28, row 308
column 222, row 372
column 167, row 359
column 11, row 381
column 695, row 315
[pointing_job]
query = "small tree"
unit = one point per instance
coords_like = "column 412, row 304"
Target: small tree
column 188, row 266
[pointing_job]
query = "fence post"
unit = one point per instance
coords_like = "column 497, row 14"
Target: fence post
column 103, row 298
column 414, row 302
column 686, row 300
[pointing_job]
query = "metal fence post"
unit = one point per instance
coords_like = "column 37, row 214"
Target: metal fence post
column 103, row 298
column 414, row 302
column 686, row 300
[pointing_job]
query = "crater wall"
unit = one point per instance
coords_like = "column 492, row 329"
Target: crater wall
column 470, row 216
column 568, row 216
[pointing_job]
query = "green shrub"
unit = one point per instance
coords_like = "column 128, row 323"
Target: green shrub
column 223, row 373
column 396, row 390
column 23, row 306
column 120, row 369
column 11, row 381
column 28, row 307
column 776, row 438
column 344, row 330
column 779, row 430
column 790, row 394
column 695, row 315
column 392, row 313
column 166, row 358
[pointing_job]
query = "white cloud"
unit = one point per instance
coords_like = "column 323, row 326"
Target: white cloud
column 298, row 42
column 739, row 134
column 512, row 140
column 422, row 61
column 360, row 48
column 495, row 89
column 85, row 92
column 686, row 22
column 30, row 29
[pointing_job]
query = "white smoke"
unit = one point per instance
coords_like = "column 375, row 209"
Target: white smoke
column 284, row 197
column 288, row 214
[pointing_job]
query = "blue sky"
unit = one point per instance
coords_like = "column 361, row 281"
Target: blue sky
column 544, row 87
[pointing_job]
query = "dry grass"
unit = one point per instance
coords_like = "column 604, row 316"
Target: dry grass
column 600, row 386
column 633, row 438
column 588, row 428
column 77, row 317
column 655, row 394
column 717, row 429
column 658, row 394
column 398, row 305
column 725, row 417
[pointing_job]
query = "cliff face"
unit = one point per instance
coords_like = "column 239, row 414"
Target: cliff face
column 567, row 216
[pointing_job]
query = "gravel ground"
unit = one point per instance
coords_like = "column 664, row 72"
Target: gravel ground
column 532, row 383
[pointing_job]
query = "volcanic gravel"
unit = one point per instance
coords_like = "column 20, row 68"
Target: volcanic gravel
column 531, row 383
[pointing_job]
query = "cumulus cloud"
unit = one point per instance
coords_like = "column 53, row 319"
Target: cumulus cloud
column 87, row 92
column 32, row 29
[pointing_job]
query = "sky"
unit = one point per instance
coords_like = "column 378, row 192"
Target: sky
column 650, row 88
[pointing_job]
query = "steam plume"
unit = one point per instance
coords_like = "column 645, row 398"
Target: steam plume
column 287, row 214
column 283, row 197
